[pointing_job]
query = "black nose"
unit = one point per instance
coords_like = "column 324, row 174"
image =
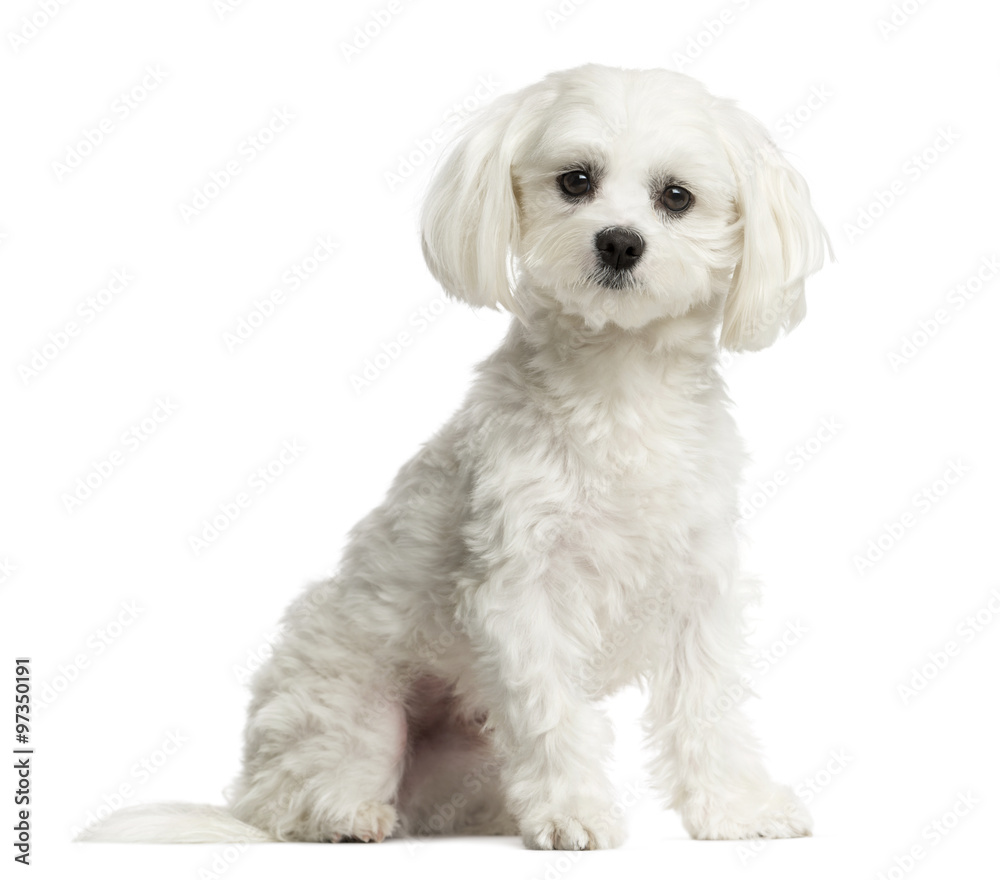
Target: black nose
column 618, row 248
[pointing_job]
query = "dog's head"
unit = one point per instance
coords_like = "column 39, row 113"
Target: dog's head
column 624, row 196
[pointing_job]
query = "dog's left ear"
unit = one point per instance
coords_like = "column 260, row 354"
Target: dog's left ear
column 782, row 239
column 470, row 215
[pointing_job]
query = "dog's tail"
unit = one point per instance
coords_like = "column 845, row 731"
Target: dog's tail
column 173, row 823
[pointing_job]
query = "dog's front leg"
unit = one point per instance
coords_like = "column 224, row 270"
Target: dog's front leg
column 707, row 761
column 551, row 738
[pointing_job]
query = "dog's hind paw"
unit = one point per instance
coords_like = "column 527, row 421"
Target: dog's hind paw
column 373, row 822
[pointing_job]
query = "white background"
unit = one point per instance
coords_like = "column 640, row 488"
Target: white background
column 841, row 636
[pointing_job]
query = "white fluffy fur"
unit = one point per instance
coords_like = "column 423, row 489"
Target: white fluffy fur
column 571, row 530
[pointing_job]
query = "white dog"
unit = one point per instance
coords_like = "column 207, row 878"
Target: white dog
column 571, row 530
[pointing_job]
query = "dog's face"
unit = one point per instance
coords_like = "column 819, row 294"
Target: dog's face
column 626, row 201
column 624, row 197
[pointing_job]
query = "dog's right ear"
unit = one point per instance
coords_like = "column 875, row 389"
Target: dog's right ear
column 470, row 215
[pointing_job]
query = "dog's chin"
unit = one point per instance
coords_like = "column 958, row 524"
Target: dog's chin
column 605, row 302
column 603, row 299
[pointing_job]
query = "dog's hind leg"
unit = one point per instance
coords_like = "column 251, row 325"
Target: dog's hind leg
column 325, row 746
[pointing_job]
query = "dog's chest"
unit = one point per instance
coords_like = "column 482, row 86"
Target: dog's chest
column 634, row 483
column 647, row 450
column 653, row 472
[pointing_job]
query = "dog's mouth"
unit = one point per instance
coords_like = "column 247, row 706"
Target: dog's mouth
column 614, row 279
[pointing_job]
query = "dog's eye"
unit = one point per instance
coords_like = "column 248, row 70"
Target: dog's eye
column 575, row 183
column 675, row 198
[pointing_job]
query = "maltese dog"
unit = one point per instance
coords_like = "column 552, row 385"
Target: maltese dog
column 571, row 530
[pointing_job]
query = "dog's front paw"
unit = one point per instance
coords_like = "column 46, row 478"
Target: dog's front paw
column 774, row 813
column 595, row 830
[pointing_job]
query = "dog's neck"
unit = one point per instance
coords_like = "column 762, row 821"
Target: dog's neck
column 580, row 359
column 616, row 395
column 612, row 391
